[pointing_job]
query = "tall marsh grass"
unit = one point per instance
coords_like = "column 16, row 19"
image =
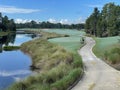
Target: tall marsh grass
column 57, row 68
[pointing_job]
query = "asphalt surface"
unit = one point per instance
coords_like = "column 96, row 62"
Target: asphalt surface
column 98, row 75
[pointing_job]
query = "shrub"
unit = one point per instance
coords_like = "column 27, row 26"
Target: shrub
column 77, row 61
column 67, row 81
column 114, row 55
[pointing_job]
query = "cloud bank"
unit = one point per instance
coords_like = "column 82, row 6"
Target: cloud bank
column 12, row 9
column 52, row 20
column 66, row 21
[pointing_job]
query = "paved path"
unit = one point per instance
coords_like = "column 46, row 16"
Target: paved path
column 98, row 75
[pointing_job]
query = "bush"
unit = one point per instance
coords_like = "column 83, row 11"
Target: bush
column 67, row 81
column 77, row 61
column 18, row 86
column 113, row 55
column 116, row 50
column 113, row 58
column 106, row 55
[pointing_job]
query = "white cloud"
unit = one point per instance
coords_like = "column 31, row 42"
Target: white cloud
column 97, row 5
column 62, row 21
column 80, row 20
column 65, row 21
column 12, row 9
column 18, row 20
column 51, row 20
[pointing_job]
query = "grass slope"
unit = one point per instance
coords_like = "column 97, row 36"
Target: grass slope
column 109, row 50
column 71, row 43
column 58, row 66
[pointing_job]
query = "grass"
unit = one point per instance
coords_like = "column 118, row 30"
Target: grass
column 108, row 49
column 45, row 35
column 3, row 33
column 71, row 43
column 57, row 66
column 10, row 48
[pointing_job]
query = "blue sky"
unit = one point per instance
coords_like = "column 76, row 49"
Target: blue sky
column 64, row 11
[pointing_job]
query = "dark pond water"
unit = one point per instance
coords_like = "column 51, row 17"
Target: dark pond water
column 14, row 65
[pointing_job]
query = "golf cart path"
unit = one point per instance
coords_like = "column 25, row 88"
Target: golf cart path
column 97, row 74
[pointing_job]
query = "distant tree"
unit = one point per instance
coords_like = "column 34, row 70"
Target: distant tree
column 95, row 17
column 0, row 21
column 6, row 24
column 106, row 23
column 91, row 22
column 47, row 24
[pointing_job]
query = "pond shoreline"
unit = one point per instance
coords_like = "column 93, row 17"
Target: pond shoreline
column 58, row 59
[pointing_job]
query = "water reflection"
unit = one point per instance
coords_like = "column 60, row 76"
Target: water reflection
column 5, row 40
column 14, row 65
column 15, row 39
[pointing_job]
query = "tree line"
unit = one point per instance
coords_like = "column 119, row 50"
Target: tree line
column 7, row 24
column 34, row 24
column 104, row 23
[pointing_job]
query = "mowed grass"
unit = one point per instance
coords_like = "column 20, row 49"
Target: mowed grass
column 58, row 66
column 105, row 44
column 108, row 49
column 66, row 31
column 71, row 43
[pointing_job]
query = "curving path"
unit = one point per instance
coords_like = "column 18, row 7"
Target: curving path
column 98, row 75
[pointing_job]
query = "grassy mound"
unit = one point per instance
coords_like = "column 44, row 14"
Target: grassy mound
column 57, row 68
column 108, row 49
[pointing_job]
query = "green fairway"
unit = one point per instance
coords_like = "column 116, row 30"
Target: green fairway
column 66, row 31
column 71, row 43
column 105, row 44
column 108, row 49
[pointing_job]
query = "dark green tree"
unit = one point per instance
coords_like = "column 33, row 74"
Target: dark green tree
column 106, row 23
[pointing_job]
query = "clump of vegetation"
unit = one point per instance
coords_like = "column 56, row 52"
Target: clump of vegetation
column 100, row 23
column 10, row 48
column 113, row 56
column 108, row 49
column 47, row 55
column 7, row 24
column 57, row 68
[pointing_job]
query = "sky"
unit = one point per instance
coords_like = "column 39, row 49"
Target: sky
column 63, row 11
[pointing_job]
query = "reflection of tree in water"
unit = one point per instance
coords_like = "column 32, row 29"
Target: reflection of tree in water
column 5, row 40
column 32, row 35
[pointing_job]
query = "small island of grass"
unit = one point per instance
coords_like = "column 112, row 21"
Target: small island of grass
column 10, row 48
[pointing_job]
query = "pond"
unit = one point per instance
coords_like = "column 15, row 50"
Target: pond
column 14, row 65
